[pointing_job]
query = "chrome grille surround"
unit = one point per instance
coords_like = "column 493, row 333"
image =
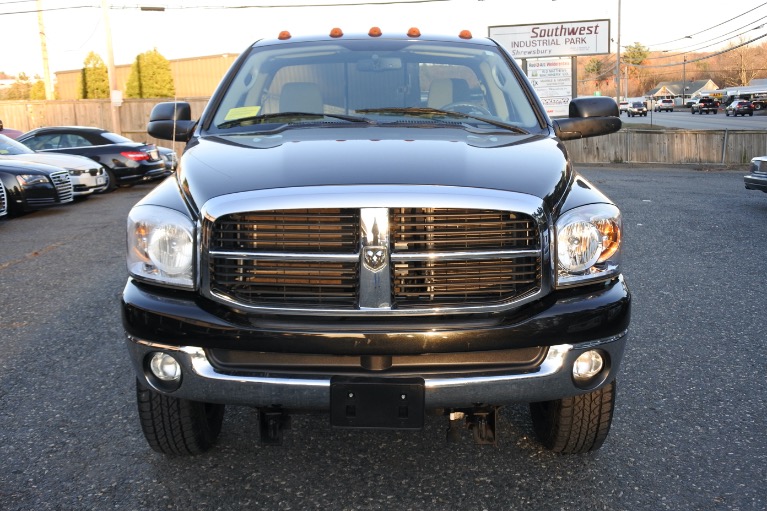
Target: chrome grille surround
column 472, row 250
column 63, row 184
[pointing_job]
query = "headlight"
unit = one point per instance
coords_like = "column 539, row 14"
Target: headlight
column 32, row 179
column 588, row 244
column 161, row 246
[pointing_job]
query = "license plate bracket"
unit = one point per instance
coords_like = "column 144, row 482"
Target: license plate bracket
column 377, row 403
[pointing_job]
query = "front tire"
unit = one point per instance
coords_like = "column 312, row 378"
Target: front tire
column 111, row 181
column 176, row 426
column 577, row 424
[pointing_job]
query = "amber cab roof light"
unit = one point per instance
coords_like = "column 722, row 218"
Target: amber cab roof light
column 414, row 32
column 375, row 32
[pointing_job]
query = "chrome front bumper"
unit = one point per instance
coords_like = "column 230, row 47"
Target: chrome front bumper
column 551, row 380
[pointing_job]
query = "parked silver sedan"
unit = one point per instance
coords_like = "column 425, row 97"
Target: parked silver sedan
column 87, row 176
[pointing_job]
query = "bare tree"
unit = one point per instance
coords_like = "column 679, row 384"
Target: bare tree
column 740, row 64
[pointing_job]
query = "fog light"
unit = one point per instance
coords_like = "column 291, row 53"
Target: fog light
column 165, row 367
column 587, row 366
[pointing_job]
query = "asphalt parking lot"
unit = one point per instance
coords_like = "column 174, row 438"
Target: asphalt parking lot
column 690, row 427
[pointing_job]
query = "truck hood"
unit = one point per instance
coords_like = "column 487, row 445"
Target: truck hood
column 529, row 164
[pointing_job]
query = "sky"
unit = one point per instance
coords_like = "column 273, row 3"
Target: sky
column 192, row 28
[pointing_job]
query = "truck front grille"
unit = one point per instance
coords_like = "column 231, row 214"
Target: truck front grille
column 315, row 258
column 435, row 229
column 286, row 283
column 314, row 231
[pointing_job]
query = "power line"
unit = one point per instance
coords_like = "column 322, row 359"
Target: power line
column 694, row 48
column 282, row 6
column 710, row 28
column 706, row 57
column 226, row 7
column 35, row 11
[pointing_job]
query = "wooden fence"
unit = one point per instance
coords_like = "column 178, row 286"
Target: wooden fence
column 724, row 147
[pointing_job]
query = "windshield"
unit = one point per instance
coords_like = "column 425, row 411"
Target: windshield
column 380, row 82
column 10, row 146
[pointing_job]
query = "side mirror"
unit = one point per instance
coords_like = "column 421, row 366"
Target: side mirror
column 171, row 121
column 589, row 117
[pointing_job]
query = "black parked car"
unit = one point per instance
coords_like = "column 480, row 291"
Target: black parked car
column 126, row 161
column 30, row 186
column 376, row 226
column 739, row 107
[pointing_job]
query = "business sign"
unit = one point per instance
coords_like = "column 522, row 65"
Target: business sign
column 564, row 39
column 552, row 80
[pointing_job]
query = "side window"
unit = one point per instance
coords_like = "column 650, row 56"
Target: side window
column 72, row 140
column 41, row 142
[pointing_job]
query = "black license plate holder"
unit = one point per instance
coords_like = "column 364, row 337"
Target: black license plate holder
column 377, row 403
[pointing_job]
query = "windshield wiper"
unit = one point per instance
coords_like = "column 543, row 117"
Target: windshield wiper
column 436, row 113
column 288, row 116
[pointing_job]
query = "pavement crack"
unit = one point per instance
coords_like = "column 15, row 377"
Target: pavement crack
column 31, row 255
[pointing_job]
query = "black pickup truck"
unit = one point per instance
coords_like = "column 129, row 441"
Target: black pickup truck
column 376, row 227
column 705, row 105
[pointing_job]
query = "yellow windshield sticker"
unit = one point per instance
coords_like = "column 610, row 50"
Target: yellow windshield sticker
column 242, row 112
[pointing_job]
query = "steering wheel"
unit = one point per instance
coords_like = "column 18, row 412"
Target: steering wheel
column 463, row 107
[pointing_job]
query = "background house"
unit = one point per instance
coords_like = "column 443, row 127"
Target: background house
column 675, row 90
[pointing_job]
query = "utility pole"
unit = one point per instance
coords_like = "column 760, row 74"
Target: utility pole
column 44, row 47
column 684, row 78
column 114, row 94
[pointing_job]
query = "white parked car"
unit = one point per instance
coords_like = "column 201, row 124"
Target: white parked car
column 87, row 176
column 623, row 106
column 666, row 105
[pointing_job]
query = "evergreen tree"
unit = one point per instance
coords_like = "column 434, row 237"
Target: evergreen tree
column 37, row 91
column 150, row 77
column 94, row 80
column 20, row 88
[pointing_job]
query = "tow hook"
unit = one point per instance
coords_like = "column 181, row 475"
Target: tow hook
column 480, row 421
column 272, row 422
